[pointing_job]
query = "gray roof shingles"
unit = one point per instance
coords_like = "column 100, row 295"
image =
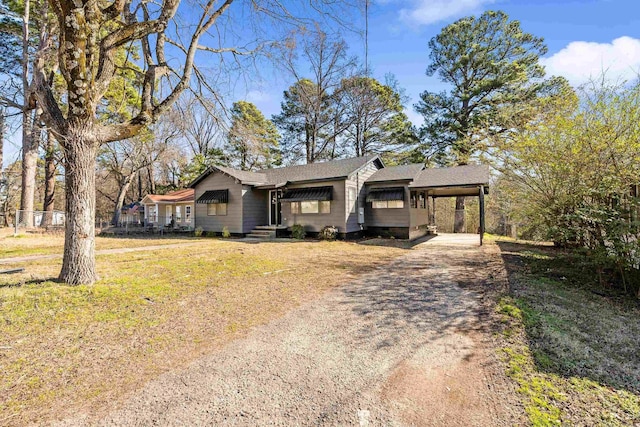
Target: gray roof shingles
column 316, row 171
column 453, row 176
column 421, row 177
column 396, row 173
column 244, row 176
column 311, row 172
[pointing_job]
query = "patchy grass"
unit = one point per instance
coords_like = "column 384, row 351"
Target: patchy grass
column 67, row 349
column 51, row 244
column 569, row 343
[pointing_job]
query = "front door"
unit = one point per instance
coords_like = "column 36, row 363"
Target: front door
column 275, row 207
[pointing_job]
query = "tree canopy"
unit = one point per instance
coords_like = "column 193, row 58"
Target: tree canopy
column 489, row 62
column 253, row 140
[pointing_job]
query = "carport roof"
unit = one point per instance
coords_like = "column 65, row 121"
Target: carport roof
column 457, row 176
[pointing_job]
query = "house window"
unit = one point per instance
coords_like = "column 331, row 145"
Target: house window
column 178, row 213
column 387, row 204
column 187, row 213
column 216, row 209
column 351, row 199
column 311, row 207
column 152, row 214
column 422, row 201
column 413, row 200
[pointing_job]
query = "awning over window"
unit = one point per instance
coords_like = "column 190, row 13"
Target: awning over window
column 214, row 196
column 310, row 193
column 384, row 194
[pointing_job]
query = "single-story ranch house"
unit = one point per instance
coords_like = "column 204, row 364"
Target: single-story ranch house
column 161, row 209
column 358, row 196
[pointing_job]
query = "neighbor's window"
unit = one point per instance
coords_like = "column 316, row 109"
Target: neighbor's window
column 311, row 207
column 178, row 213
column 216, row 209
column 152, row 215
column 187, row 213
column 390, row 204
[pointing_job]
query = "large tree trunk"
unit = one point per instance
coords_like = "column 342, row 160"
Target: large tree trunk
column 2, row 119
column 30, row 142
column 122, row 192
column 49, row 180
column 458, row 225
column 152, row 182
column 78, row 263
column 29, row 152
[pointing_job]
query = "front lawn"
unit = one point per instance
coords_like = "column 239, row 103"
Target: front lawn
column 47, row 244
column 65, row 349
column 572, row 345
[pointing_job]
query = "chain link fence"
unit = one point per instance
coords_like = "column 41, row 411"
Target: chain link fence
column 39, row 221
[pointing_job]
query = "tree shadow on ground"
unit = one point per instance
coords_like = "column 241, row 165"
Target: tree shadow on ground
column 575, row 326
column 395, row 243
column 150, row 236
column 419, row 294
column 40, row 281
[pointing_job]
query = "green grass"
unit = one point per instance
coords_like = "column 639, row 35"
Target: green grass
column 570, row 344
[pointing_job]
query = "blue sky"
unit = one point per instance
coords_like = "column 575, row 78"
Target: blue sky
column 583, row 37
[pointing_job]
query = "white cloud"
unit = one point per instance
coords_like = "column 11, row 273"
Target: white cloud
column 425, row 12
column 580, row 61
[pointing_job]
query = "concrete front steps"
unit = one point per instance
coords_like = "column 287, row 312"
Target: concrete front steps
column 263, row 232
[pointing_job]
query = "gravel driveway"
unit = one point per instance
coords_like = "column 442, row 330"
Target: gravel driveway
column 405, row 344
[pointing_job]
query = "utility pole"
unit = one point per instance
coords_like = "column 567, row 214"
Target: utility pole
column 366, row 38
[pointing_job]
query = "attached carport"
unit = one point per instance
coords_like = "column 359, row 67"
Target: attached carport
column 467, row 180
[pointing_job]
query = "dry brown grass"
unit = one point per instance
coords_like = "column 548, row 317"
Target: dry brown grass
column 64, row 349
column 49, row 244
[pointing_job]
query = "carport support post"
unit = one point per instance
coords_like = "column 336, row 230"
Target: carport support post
column 481, row 204
column 433, row 212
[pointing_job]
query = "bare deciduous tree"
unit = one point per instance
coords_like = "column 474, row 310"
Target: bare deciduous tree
column 89, row 36
column 308, row 119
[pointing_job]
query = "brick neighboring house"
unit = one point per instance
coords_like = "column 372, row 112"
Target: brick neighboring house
column 358, row 196
column 161, row 209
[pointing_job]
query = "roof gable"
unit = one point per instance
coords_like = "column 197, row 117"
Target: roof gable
column 396, row 173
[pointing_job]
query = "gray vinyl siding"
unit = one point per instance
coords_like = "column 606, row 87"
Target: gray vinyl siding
column 388, row 217
column 233, row 219
column 357, row 181
column 419, row 217
column 255, row 208
column 315, row 222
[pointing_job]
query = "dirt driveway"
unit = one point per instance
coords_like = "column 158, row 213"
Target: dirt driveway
column 406, row 344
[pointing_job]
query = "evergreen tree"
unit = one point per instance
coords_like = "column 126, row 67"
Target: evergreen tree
column 489, row 63
column 374, row 117
column 253, row 139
